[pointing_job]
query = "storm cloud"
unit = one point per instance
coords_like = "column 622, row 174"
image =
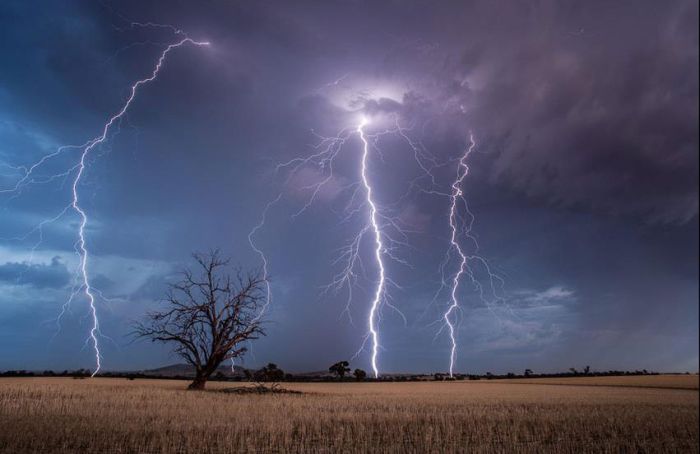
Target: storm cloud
column 53, row 275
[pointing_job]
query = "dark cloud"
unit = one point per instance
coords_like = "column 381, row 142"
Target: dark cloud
column 588, row 110
column 54, row 275
column 577, row 108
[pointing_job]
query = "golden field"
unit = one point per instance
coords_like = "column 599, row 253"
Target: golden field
column 633, row 414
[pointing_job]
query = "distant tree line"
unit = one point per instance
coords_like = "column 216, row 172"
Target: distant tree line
column 529, row 373
column 337, row 372
column 78, row 373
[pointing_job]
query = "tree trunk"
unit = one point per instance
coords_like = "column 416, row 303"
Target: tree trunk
column 198, row 384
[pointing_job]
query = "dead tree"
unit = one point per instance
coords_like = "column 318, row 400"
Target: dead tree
column 207, row 315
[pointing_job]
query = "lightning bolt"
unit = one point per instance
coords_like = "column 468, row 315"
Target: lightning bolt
column 82, row 247
column 83, row 252
column 387, row 233
column 85, row 150
column 263, row 257
column 462, row 172
column 378, row 251
column 263, row 260
column 462, row 226
column 324, row 156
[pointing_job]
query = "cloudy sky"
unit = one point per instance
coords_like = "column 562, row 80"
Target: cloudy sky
column 583, row 179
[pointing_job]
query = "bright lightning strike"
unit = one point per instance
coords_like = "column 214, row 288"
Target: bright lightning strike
column 83, row 252
column 462, row 171
column 378, row 251
column 461, row 227
column 386, row 232
column 79, row 169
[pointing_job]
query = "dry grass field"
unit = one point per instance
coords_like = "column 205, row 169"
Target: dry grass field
column 635, row 414
column 639, row 381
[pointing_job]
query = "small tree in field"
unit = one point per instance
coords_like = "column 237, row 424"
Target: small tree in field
column 208, row 314
column 270, row 373
column 359, row 374
column 340, row 368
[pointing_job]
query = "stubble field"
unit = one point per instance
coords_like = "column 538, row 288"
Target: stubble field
column 625, row 414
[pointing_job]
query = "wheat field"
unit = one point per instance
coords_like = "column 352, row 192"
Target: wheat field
column 639, row 414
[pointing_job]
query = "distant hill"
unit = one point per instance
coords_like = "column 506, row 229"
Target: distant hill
column 185, row 370
column 320, row 373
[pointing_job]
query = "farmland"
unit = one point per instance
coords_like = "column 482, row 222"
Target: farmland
column 606, row 414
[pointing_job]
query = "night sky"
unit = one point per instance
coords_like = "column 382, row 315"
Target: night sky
column 584, row 178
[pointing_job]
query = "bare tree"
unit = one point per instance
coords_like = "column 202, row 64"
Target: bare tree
column 208, row 314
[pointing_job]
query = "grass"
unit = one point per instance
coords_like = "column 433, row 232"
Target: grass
column 637, row 381
column 122, row 416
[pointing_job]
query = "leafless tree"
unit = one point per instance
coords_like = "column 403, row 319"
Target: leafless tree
column 208, row 314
